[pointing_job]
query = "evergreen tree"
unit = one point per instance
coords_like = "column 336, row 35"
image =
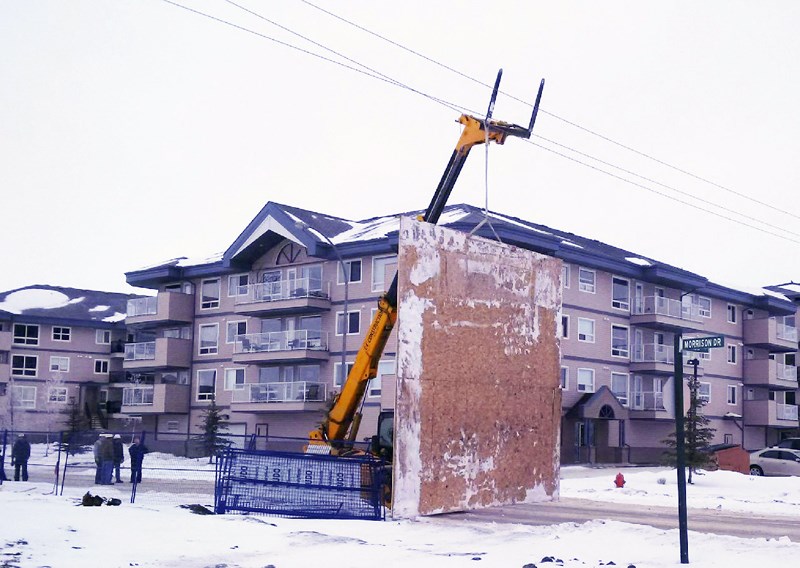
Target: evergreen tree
column 697, row 436
column 75, row 423
column 213, row 425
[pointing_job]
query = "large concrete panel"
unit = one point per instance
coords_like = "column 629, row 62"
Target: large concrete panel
column 478, row 398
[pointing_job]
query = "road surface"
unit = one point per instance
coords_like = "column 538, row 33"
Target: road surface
column 710, row 521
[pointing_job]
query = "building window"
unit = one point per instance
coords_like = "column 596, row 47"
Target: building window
column 565, row 273
column 206, row 379
column 564, row 378
column 338, row 378
column 620, row 294
column 353, row 322
column 619, row 341
column 353, row 268
column 24, row 365
column 732, row 394
column 59, row 364
column 234, row 379
column 23, row 396
column 61, row 333
column 209, row 336
column 26, row 334
column 619, row 386
column 237, row 284
column 57, row 395
column 209, row 294
column 586, row 280
column 565, row 327
column 101, row 366
column 233, row 329
column 585, row 380
column 102, row 337
column 384, row 368
column 379, row 266
column 586, row 330
column 731, row 313
column 704, row 392
column 731, row 354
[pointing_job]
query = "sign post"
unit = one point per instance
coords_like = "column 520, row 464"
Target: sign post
column 702, row 344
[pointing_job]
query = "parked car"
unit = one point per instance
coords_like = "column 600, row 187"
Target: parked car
column 790, row 443
column 775, row 461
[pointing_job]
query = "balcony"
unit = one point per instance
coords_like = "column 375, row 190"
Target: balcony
column 5, row 341
column 167, row 308
column 770, row 334
column 769, row 373
column 163, row 353
column 156, row 399
column 298, row 296
column 770, row 413
column 280, row 397
column 666, row 314
column 659, row 359
column 649, row 406
column 281, row 347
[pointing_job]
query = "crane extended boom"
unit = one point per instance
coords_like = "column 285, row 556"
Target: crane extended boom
column 343, row 419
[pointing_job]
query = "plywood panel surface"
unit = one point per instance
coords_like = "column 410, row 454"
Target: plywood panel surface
column 478, row 401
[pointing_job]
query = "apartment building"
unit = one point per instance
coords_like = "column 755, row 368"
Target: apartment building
column 267, row 328
column 58, row 346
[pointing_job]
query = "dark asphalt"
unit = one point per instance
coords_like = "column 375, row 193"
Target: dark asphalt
column 710, row 521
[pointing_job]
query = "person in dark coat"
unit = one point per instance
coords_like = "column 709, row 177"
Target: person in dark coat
column 137, row 452
column 119, row 455
column 98, row 473
column 106, row 459
column 20, row 454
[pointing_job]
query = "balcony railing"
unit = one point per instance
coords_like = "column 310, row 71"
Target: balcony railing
column 137, row 396
column 667, row 307
column 298, row 391
column 281, row 341
column 282, row 290
column 786, row 332
column 647, row 401
column 786, row 372
column 786, row 412
column 652, row 353
column 140, row 351
column 142, row 306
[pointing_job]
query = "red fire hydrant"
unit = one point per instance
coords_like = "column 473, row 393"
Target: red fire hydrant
column 619, row 481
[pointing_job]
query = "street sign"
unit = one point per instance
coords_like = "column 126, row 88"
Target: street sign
column 703, row 343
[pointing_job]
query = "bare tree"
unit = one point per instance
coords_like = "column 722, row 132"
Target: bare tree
column 54, row 404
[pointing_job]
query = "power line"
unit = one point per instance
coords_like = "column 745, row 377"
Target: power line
column 369, row 72
column 662, row 194
column 566, row 121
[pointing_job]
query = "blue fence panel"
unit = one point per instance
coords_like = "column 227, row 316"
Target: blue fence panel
column 289, row 484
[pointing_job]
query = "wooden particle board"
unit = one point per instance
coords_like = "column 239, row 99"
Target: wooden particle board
column 478, row 400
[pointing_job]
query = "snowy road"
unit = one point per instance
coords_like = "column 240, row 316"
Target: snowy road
column 566, row 510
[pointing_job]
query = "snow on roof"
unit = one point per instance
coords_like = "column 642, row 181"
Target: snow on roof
column 369, row 230
column 639, row 261
column 100, row 309
column 34, row 298
column 197, row 261
column 755, row 291
column 118, row 316
column 571, row 244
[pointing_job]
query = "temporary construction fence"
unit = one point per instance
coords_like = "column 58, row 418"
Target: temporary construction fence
column 293, row 484
column 250, row 474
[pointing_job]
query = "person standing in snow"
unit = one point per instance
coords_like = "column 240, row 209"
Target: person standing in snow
column 119, row 455
column 106, row 459
column 98, row 473
column 137, row 452
column 20, row 454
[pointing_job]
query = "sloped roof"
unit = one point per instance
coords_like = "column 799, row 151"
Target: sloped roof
column 61, row 303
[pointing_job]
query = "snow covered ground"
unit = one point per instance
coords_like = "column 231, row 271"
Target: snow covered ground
column 38, row 529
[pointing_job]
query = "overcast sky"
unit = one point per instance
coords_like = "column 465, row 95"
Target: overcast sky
column 137, row 131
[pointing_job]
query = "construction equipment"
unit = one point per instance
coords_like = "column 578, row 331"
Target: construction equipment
column 340, row 426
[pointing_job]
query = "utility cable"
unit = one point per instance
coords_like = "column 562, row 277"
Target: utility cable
column 662, row 194
column 553, row 115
